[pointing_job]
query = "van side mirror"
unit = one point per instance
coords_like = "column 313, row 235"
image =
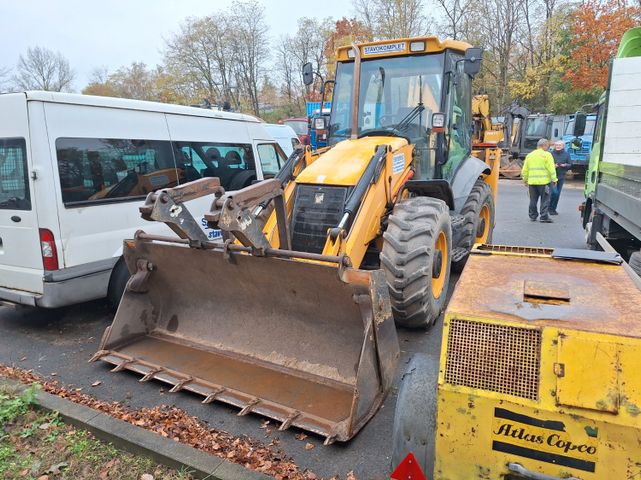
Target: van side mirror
column 579, row 124
column 308, row 74
column 472, row 64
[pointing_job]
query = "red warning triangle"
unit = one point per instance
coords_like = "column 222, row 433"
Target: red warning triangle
column 408, row 469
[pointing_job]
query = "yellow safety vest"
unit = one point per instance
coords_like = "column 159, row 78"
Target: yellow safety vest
column 538, row 168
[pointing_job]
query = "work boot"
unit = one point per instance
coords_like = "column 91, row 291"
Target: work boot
column 553, row 212
column 546, row 220
column 532, row 219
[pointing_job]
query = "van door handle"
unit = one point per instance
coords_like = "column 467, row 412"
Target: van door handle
column 16, row 219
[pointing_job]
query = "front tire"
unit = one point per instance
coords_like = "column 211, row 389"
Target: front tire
column 478, row 226
column 417, row 247
column 415, row 414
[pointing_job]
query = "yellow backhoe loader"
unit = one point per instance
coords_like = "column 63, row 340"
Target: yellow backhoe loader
column 292, row 316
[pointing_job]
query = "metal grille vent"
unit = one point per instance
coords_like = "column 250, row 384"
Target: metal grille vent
column 316, row 208
column 498, row 358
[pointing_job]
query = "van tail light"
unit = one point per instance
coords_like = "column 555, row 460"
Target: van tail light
column 49, row 252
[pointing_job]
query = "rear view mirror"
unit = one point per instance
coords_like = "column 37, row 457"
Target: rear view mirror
column 579, row 124
column 308, row 74
column 472, row 64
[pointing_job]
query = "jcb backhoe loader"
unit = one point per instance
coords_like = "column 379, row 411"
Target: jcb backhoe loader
column 292, row 317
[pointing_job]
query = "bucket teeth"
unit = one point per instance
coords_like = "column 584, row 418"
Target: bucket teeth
column 122, row 365
column 151, row 374
column 98, row 355
column 248, row 408
column 180, row 385
column 212, row 396
column 288, row 421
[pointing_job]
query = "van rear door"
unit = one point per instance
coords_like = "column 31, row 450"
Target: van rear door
column 21, row 266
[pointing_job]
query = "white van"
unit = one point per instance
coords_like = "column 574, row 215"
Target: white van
column 74, row 169
column 285, row 136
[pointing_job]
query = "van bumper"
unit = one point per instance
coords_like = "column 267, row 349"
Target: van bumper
column 66, row 287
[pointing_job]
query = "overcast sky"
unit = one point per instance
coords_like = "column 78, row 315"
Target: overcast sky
column 113, row 33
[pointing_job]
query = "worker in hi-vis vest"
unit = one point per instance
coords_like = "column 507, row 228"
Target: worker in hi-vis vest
column 539, row 175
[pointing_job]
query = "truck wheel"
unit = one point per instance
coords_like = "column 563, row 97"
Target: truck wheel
column 417, row 247
column 478, row 226
column 635, row 262
column 415, row 415
column 117, row 283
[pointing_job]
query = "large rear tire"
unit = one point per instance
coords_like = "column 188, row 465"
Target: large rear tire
column 417, row 248
column 415, row 414
column 478, row 226
column 117, row 283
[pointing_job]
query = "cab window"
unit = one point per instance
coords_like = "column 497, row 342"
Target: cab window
column 460, row 123
column 14, row 177
column 271, row 159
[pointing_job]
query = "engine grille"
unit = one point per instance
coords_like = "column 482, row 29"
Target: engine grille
column 498, row 358
column 316, row 208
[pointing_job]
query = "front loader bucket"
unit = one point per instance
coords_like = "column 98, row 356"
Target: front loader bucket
column 307, row 344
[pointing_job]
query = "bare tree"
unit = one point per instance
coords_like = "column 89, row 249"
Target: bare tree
column 4, row 78
column 43, row 69
column 250, row 48
column 393, row 18
column 457, row 13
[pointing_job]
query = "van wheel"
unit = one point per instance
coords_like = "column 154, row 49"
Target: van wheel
column 415, row 414
column 119, row 278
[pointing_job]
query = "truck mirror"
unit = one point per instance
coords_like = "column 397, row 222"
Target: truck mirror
column 579, row 124
column 472, row 64
column 308, row 74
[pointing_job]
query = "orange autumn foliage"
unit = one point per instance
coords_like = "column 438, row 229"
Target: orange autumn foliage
column 597, row 27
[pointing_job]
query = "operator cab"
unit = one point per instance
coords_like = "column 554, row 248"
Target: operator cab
column 410, row 89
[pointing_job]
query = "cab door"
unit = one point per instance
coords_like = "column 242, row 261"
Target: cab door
column 21, row 266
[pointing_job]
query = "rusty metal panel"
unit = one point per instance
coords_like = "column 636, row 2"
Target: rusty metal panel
column 587, row 373
column 259, row 333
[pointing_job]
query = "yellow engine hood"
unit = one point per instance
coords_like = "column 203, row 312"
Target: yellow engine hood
column 345, row 162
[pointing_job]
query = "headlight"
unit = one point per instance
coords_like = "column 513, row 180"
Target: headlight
column 438, row 120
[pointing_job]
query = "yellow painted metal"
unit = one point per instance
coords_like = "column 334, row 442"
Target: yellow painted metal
column 344, row 163
column 432, row 45
column 481, row 237
column 570, row 406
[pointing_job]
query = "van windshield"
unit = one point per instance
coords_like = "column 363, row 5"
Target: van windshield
column 14, row 177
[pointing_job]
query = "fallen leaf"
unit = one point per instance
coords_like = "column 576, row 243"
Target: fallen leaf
column 350, row 475
column 300, row 436
column 146, row 476
column 24, row 472
column 309, row 446
column 45, row 426
column 23, row 359
column 96, row 383
column 43, row 477
column 53, row 374
column 57, row 468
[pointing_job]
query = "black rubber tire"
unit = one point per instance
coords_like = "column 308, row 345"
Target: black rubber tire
column 117, row 283
column 635, row 262
column 415, row 414
column 407, row 259
column 480, row 195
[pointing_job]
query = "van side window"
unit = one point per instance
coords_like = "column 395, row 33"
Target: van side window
column 232, row 163
column 14, row 176
column 271, row 159
column 103, row 169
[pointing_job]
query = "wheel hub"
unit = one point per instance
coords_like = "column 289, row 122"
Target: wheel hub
column 480, row 230
column 437, row 264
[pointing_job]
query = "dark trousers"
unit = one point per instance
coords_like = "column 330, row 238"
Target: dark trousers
column 556, row 192
column 542, row 192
